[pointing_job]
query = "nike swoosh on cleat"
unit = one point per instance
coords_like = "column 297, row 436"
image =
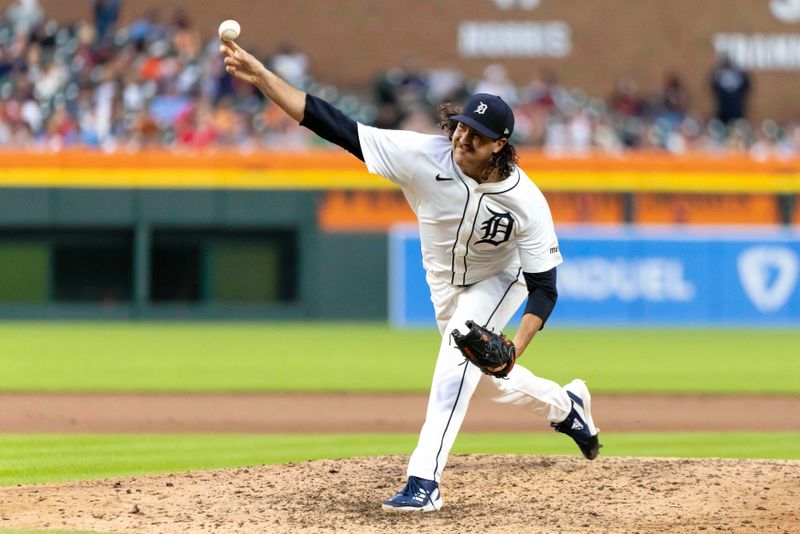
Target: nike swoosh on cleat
column 440, row 178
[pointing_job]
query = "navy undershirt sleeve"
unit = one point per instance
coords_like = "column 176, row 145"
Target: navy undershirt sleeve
column 332, row 125
column 542, row 293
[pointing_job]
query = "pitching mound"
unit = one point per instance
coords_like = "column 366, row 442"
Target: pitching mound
column 481, row 494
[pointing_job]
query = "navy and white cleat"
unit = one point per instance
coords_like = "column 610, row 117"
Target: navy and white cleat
column 418, row 495
column 579, row 424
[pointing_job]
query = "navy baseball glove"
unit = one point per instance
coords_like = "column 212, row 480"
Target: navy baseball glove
column 491, row 353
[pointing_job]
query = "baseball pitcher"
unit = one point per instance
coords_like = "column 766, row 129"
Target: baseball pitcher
column 488, row 244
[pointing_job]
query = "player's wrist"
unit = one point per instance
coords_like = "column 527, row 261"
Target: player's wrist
column 263, row 82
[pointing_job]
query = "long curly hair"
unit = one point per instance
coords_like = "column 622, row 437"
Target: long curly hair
column 504, row 161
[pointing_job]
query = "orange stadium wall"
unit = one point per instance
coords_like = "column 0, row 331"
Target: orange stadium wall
column 693, row 208
column 358, row 211
column 642, row 188
column 589, row 45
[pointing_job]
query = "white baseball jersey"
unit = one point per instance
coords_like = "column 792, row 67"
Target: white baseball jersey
column 475, row 238
column 469, row 231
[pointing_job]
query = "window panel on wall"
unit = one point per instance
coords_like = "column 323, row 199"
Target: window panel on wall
column 24, row 271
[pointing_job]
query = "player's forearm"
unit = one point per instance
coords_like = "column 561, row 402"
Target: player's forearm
column 288, row 98
column 542, row 294
column 528, row 327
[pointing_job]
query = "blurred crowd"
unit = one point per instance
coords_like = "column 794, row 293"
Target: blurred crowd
column 566, row 121
column 156, row 82
column 153, row 82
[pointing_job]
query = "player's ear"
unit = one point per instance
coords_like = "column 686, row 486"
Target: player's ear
column 499, row 144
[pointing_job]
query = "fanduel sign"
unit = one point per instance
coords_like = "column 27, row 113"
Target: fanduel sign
column 647, row 277
column 768, row 275
column 688, row 277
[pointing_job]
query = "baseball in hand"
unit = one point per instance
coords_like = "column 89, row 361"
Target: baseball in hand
column 229, row 30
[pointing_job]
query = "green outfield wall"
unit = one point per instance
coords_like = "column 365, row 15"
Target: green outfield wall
column 166, row 239
column 182, row 253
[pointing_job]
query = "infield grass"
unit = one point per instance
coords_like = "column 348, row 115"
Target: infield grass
column 108, row 356
column 29, row 459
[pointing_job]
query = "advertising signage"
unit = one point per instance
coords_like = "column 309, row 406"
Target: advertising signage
column 689, row 277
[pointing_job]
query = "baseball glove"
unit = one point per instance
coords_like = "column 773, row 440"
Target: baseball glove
column 491, row 353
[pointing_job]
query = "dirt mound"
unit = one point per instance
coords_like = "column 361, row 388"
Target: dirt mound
column 481, row 494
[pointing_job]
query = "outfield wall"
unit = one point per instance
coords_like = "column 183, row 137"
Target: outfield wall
column 170, row 253
column 296, row 235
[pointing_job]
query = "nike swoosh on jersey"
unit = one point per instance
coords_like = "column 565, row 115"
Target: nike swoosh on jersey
column 440, row 178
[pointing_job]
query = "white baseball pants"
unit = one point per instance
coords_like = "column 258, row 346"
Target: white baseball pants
column 491, row 302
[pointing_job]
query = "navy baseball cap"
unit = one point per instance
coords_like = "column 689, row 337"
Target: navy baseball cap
column 488, row 115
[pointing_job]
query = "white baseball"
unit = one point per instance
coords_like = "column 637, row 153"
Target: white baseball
column 229, row 30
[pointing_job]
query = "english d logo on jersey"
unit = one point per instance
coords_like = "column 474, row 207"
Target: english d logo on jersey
column 769, row 276
column 497, row 228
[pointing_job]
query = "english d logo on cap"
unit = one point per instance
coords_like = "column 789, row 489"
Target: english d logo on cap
column 488, row 115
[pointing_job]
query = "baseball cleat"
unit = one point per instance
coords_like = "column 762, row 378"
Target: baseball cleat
column 418, row 495
column 579, row 424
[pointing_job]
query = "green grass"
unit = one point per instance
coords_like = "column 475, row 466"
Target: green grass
column 97, row 356
column 28, row 459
